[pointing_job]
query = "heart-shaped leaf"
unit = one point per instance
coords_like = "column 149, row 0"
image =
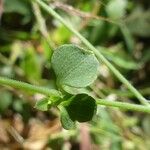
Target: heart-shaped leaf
column 74, row 66
column 81, row 107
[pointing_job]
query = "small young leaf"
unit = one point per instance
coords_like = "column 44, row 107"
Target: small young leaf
column 43, row 104
column 66, row 121
column 81, row 108
column 74, row 66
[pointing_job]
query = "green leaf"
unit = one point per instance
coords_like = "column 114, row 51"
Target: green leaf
column 43, row 104
column 81, row 108
column 74, row 66
column 66, row 121
column 116, row 8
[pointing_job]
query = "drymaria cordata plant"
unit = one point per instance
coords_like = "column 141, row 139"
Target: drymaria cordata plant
column 75, row 69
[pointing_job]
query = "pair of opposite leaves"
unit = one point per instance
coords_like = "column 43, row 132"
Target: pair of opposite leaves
column 75, row 68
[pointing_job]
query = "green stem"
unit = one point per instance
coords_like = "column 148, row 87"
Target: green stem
column 52, row 92
column 96, row 52
column 29, row 87
column 124, row 106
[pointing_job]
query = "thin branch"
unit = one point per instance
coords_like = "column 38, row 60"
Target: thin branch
column 124, row 106
column 42, row 25
column 28, row 87
column 96, row 52
column 52, row 92
column 69, row 9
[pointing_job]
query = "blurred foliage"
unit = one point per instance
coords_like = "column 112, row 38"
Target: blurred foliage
column 25, row 55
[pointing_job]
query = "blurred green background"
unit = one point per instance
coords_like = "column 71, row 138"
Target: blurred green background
column 119, row 29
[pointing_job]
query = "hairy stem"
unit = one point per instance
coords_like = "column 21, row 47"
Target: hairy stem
column 52, row 92
column 124, row 106
column 28, row 87
column 96, row 52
